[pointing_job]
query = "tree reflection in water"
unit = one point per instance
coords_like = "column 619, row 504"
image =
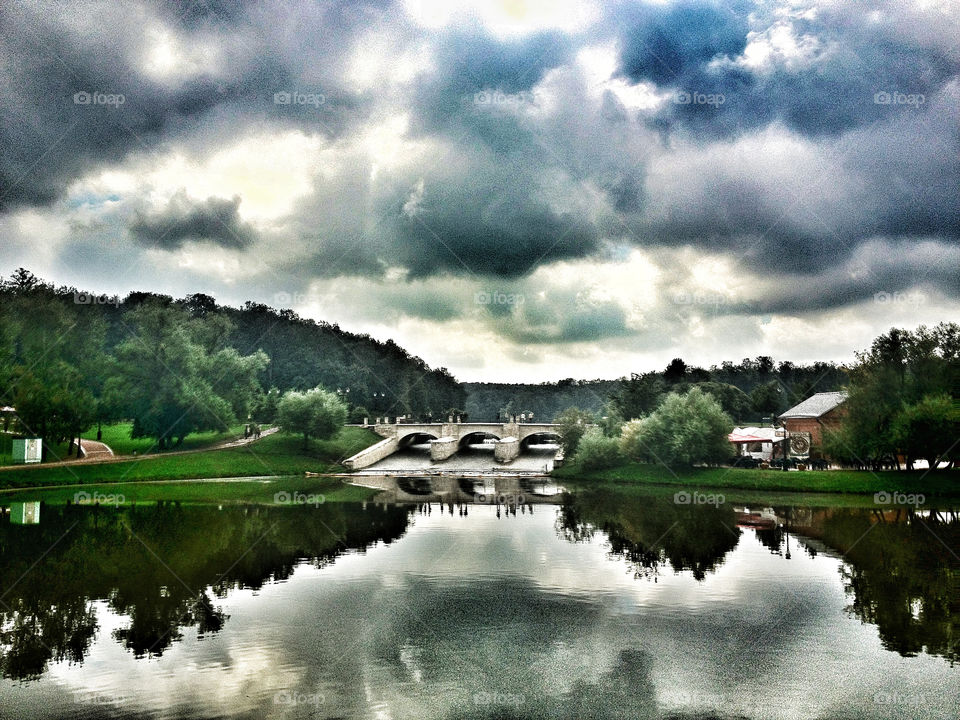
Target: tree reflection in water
column 902, row 572
column 900, row 568
column 652, row 532
column 162, row 565
column 165, row 567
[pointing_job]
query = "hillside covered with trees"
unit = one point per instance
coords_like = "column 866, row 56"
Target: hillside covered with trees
column 70, row 360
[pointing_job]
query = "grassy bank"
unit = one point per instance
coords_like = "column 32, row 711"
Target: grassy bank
column 943, row 483
column 273, row 455
column 302, row 490
column 117, row 436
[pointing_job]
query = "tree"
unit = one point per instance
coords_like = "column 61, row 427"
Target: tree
column 177, row 379
column 359, row 413
column 316, row 413
column 597, row 451
column 639, row 395
column 928, row 429
column 888, row 386
column 573, row 424
column 265, row 406
column 684, row 430
column 734, row 401
column 767, row 399
column 676, row 371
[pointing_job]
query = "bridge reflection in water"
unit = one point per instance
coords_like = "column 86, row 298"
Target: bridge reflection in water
column 512, row 491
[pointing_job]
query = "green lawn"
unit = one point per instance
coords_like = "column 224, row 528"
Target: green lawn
column 117, row 436
column 273, row 455
column 942, row 483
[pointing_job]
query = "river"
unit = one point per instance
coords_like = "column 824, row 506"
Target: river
column 445, row 598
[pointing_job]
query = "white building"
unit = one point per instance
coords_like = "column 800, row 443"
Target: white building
column 756, row 442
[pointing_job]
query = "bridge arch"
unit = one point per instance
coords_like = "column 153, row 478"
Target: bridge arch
column 476, row 437
column 539, row 438
column 414, row 438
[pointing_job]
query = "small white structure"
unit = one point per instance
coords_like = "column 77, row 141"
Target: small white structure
column 27, row 450
column 25, row 513
column 756, row 442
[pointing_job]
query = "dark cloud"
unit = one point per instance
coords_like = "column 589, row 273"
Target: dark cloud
column 79, row 95
column 216, row 220
column 665, row 43
column 471, row 67
column 800, row 174
column 691, row 48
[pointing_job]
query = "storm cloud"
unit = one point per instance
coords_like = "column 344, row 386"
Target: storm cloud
column 789, row 161
column 215, row 219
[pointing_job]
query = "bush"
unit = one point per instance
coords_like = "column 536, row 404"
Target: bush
column 316, row 413
column 596, row 451
column 573, row 424
column 683, row 430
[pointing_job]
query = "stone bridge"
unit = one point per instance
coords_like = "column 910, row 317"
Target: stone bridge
column 446, row 438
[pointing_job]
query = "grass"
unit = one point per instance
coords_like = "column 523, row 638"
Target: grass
column 273, row 455
column 221, row 492
column 117, row 436
column 941, row 483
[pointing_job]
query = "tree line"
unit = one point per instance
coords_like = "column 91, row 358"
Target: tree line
column 70, row 361
column 748, row 391
column 903, row 405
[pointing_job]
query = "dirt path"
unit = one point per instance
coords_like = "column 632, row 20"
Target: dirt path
column 99, row 453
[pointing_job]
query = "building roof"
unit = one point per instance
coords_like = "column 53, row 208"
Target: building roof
column 816, row 405
column 754, row 434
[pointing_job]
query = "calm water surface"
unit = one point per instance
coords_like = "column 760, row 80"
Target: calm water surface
column 598, row 606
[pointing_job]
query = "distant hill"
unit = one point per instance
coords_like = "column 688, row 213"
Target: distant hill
column 486, row 401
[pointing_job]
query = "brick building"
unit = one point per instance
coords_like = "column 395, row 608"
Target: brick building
column 823, row 410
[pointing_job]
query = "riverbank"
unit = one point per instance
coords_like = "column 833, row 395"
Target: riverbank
column 274, row 455
column 932, row 484
column 286, row 490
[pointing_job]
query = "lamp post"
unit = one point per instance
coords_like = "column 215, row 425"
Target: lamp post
column 786, row 438
column 786, row 446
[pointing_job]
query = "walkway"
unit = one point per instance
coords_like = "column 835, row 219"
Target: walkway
column 100, row 453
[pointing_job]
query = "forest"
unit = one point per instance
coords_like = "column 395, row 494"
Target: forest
column 70, row 360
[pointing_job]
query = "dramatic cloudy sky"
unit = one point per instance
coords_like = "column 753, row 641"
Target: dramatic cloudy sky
column 527, row 189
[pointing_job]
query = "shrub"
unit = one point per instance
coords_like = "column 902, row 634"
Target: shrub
column 596, row 451
column 683, row 430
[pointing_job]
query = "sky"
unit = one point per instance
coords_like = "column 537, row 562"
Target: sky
column 519, row 190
